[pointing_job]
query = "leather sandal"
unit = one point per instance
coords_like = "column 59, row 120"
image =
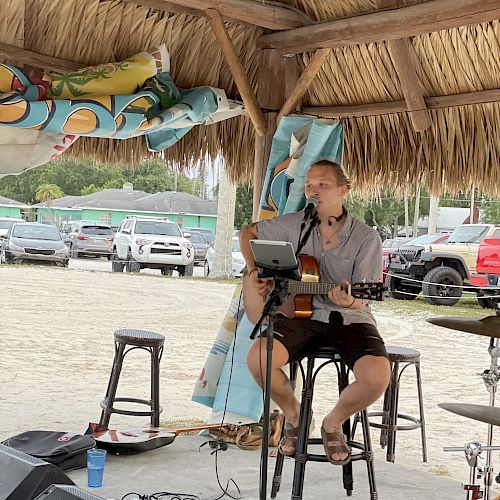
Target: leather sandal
column 335, row 442
column 290, row 438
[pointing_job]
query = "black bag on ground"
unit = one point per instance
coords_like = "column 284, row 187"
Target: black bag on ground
column 67, row 450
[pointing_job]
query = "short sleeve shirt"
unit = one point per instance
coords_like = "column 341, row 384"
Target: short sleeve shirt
column 357, row 258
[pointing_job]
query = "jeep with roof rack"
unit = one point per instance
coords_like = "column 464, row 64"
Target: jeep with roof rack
column 151, row 242
column 438, row 271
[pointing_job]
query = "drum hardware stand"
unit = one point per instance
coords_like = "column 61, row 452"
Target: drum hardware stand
column 490, row 379
column 472, row 453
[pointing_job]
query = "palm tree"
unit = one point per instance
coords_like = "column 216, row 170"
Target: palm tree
column 48, row 193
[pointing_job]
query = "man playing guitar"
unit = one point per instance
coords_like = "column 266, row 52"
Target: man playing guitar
column 347, row 251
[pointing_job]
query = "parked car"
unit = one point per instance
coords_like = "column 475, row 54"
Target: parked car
column 487, row 275
column 200, row 246
column 153, row 242
column 5, row 224
column 207, row 233
column 90, row 238
column 34, row 242
column 238, row 262
column 439, row 270
column 390, row 245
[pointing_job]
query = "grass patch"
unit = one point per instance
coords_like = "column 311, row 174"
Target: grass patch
column 440, row 470
column 466, row 307
column 182, row 423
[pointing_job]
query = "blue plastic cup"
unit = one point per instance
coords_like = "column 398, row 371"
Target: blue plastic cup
column 95, row 467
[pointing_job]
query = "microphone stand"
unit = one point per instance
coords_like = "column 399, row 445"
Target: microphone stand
column 275, row 299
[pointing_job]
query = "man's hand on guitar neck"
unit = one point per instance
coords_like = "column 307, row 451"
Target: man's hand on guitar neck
column 262, row 287
column 341, row 298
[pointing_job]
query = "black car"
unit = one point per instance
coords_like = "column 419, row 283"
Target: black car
column 200, row 246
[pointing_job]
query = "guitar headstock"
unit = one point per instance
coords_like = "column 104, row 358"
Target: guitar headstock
column 368, row 291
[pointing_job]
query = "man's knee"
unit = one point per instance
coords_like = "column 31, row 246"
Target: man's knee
column 374, row 372
column 255, row 361
column 257, row 357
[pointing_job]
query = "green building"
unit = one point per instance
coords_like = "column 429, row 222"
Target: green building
column 11, row 208
column 111, row 206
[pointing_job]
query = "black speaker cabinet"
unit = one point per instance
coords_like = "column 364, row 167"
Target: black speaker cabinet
column 64, row 492
column 23, row 477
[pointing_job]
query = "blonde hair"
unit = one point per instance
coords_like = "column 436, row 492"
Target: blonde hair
column 340, row 175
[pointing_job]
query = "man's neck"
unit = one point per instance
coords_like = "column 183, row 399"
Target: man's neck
column 333, row 214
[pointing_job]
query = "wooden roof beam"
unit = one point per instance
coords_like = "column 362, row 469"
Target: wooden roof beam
column 270, row 15
column 412, row 20
column 18, row 55
column 238, row 72
column 410, row 84
column 303, row 83
column 395, row 107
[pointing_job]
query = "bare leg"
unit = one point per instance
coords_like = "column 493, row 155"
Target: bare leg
column 281, row 388
column 372, row 375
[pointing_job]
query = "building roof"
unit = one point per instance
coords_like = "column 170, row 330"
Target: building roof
column 448, row 55
column 448, row 218
column 7, row 202
column 128, row 199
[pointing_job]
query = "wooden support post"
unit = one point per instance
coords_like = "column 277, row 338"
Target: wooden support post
column 305, row 80
column 410, row 84
column 276, row 75
column 18, row 55
column 394, row 107
column 270, row 15
column 237, row 71
column 410, row 20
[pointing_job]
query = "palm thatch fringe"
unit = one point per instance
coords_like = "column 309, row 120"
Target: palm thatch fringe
column 461, row 147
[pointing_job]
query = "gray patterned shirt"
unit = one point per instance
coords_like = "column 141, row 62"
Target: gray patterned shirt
column 357, row 258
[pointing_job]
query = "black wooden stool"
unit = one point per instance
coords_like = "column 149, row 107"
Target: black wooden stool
column 125, row 341
column 390, row 416
column 301, row 455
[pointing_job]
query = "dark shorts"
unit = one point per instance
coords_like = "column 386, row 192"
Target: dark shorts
column 303, row 336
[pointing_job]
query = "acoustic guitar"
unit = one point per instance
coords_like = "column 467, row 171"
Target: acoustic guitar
column 300, row 292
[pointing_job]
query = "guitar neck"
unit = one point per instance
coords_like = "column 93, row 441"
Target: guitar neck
column 311, row 288
column 369, row 291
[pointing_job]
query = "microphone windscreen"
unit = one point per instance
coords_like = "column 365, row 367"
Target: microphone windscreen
column 312, row 201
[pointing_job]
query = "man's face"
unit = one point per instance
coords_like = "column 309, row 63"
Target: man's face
column 321, row 183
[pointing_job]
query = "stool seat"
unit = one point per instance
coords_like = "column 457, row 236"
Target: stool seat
column 400, row 358
column 402, row 354
column 327, row 353
column 139, row 337
column 128, row 340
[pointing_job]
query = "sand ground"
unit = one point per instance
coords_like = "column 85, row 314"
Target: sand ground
column 56, row 345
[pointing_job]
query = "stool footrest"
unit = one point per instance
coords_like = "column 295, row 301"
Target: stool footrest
column 313, row 457
column 104, row 406
column 417, row 423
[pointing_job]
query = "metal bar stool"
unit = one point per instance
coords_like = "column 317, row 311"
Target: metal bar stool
column 301, row 455
column 127, row 340
column 389, row 425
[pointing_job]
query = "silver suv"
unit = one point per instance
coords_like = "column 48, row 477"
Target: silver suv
column 153, row 242
column 89, row 238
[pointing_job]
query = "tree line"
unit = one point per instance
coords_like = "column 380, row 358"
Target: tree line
column 69, row 176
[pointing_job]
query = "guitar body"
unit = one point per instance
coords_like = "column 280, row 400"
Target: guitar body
column 300, row 293
column 302, row 303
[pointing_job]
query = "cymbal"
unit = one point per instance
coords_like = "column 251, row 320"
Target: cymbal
column 488, row 327
column 483, row 413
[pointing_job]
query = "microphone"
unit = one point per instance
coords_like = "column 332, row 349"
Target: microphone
column 310, row 209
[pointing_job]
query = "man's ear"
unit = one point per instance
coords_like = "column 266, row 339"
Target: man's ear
column 344, row 189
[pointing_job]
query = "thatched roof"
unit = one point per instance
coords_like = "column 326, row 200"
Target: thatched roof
column 461, row 147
